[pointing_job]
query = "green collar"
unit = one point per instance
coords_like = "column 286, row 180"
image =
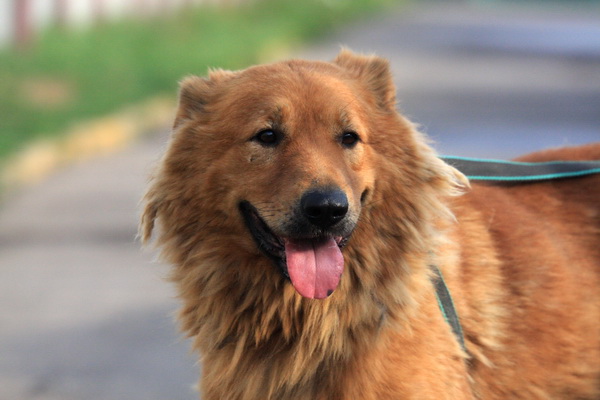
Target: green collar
column 446, row 305
column 514, row 171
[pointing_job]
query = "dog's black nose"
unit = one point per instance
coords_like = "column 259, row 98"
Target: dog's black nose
column 324, row 208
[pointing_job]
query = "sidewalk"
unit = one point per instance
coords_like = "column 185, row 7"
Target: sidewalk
column 85, row 314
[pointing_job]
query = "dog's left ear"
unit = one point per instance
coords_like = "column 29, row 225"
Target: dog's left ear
column 374, row 72
column 195, row 93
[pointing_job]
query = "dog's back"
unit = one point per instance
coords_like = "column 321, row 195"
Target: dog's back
column 531, row 269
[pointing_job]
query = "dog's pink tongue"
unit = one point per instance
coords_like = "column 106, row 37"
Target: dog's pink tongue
column 315, row 267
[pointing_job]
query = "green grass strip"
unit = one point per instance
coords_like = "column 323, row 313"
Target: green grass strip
column 69, row 76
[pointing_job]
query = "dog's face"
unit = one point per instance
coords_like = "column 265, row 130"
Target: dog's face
column 280, row 160
column 300, row 144
column 306, row 173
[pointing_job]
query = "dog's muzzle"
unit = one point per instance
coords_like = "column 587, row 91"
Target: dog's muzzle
column 308, row 252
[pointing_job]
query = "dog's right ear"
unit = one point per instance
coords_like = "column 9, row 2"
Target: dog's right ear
column 374, row 72
column 195, row 93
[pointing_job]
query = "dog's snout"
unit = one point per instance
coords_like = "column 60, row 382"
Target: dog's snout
column 324, row 208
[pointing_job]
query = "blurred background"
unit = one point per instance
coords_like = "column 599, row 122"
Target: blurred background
column 87, row 94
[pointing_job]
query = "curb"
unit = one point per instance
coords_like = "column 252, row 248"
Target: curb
column 85, row 141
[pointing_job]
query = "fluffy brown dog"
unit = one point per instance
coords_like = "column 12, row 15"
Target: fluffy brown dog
column 284, row 183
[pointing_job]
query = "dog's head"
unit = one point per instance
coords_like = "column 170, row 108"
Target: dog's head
column 281, row 160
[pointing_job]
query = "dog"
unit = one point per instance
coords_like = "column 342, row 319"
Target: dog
column 302, row 215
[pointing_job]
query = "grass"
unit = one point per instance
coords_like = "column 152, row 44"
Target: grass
column 69, row 76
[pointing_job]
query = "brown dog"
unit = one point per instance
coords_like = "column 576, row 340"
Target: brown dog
column 284, row 183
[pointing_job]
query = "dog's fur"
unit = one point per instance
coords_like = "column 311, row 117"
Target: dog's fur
column 522, row 261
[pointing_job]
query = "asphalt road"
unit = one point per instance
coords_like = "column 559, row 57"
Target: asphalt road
column 84, row 314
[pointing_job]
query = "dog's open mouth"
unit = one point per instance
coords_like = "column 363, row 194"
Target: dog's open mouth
column 313, row 265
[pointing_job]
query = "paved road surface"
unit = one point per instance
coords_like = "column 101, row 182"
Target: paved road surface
column 489, row 82
column 85, row 315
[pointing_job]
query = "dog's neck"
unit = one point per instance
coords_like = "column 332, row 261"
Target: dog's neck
column 288, row 344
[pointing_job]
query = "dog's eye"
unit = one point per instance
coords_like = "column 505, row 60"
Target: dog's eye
column 349, row 139
column 267, row 137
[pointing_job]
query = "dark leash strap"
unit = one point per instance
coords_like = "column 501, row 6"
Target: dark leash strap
column 514, row 171
column 501, row 171
column 447, row 305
